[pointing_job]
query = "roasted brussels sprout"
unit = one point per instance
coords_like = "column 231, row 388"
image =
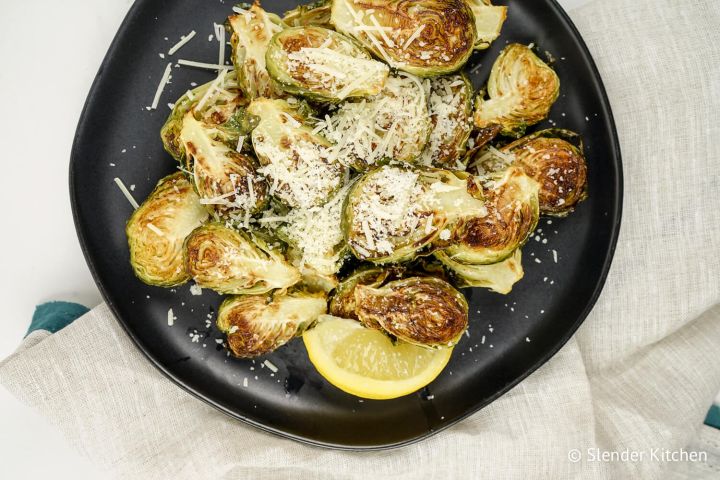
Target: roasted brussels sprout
column 317, row 13
column 498, row 277
column 511, row 198
column 557, row 165
column 451, row 114
column 157, row 229
column 426, row 38
column 216, row 103
column 394, row 125
column 233, row 262
column 316, row 237
column 519, row 93
column 251, row 34
column 391, row 213
column 489, row 20
column 258, row 324
column 225, row 179
column 425, row 311
column 342, row 303
column 323, row 65
column 296, row 160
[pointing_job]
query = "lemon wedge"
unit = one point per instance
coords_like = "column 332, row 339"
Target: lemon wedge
column 367, row 363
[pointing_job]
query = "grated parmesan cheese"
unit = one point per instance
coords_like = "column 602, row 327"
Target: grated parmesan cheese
column 220, row 34
column 414, row 36
column 207, row 66
column 170, row 317
column 183, row 40
column 126, row 192
column 388, row 206
column 394, row 124
column 156, row 230
column 161, row 86
column 270, row 365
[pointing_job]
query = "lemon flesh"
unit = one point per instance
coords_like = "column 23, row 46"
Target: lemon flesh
column 367, row 363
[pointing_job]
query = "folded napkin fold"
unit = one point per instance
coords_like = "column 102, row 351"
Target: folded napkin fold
column 638, row 376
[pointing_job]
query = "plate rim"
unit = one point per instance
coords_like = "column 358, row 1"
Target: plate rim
column 560, row 342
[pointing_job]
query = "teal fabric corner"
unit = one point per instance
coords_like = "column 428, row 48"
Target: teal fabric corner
column 54, row 316
column 713, row 418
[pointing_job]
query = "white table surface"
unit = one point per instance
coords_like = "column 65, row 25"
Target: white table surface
column 51, row 51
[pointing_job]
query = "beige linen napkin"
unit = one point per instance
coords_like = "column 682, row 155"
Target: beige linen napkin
column 638, row 377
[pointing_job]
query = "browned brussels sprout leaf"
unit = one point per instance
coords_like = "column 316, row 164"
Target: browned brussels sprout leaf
column 519, row 93
column 258, row 324
column 156, row 231
column 233, row 262
column 425, row 311
column 557, row 165
column 426, row 37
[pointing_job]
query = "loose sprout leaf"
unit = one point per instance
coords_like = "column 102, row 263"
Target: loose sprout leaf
column 489, row 20
column 233, row 262
column 393, row 125
column 451, row 114
column 424, row 311
column 258, row 324
column 392, row 212
column 170, row 132
column 251, row 34
column 426, row 38
column 225, row 179
column 215, row 103
column 520, row 91
column 498, row 277
column 323, row 65
column 511, row 198
column 295, row 160
column 557, row 165
column 156, row 231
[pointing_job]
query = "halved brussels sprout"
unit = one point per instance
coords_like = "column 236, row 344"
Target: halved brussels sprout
column 489, row 20
column 342, row 303
column 498, row 277
column 394, row 125
column 391, row 213
column 520, row 91
column 323, row 65
column 426, row 38
column 251, row 34
column 225, row 179
column 512, row 214
column 557, row 165
column 221, row 99
column 296, row 160
column 451, row 114
column 233, row 262
column 317, row 13
column 425, row 311
column 315, row 236
column 156, row 231
column 258, row 324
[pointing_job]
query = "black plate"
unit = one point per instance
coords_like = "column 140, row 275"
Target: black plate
column 546, row 307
